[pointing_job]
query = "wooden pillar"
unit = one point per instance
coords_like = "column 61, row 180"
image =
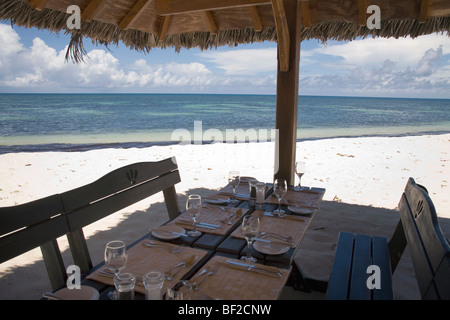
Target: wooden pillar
column 287, row 98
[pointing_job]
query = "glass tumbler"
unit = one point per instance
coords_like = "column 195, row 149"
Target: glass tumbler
column 125, row 283
column 260, row 195
column 153, row 282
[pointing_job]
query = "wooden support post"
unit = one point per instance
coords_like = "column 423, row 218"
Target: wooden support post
column 287, row 98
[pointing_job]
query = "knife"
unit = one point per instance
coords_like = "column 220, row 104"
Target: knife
column 208, row 224
column 205, row 224
column 172, row 232
column 278, row 241
column 251, row 267
column 201, row 224
column 287, row 216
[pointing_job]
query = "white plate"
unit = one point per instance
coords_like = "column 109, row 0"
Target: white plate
column 84, row 293
column 217, row 200
column 300, row 210
column 272, row 248
column 161, row 233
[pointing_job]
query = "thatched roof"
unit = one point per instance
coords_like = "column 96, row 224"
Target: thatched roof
column 146, row 24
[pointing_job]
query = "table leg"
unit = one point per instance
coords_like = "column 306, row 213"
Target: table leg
column 299, row 282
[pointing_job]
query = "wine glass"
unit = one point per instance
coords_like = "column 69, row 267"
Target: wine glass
column 279, row 189
column 115, row 259
column 300, row 171
column 250, row 229
column 234, row 178
column 193, row 205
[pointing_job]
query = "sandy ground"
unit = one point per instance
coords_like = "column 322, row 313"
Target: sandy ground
column 364, row 179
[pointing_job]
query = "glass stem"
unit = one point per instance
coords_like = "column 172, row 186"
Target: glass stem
column 249, row 245
column 279, row 203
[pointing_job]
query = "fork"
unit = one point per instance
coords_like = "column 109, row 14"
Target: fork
column 170, row 249
column 211, row 272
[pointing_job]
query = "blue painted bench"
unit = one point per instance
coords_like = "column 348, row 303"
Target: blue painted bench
column 430, row 251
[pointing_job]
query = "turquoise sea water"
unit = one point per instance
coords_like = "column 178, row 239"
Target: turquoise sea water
column 37, row 122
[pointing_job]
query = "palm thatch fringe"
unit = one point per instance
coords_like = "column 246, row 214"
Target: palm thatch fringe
column 21, row 14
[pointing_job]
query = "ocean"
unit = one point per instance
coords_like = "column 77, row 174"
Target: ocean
column 63, row 122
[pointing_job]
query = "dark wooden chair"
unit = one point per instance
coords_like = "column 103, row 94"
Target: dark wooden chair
column 35, row 224
column 418, row 227
column 113, row 192
column 429, row 248
column 39, row 223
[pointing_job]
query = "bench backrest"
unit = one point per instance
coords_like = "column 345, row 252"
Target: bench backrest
column 113, row 192
column 430, row 250
column 35, row 224
column 41, row 222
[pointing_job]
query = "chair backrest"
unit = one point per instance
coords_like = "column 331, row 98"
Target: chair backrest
column 429, row 248
column 113, row 192
column 35, row 224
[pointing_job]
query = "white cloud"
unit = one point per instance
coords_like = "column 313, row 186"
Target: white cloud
column 381, row 67
column 373, row 51
column 41, row 66
column 244, row 61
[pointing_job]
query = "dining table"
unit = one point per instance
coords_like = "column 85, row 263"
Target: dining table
column 211, row 261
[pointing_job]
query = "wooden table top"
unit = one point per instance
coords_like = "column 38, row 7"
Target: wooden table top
column 225, row 242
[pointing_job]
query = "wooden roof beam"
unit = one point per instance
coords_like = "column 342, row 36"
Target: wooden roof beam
column 256, row 19
column 170, row 7
column 164, row 27
column 423, row 15
column 306, row 14
column 309, row 12
column 38, row 4
column 93, row 9
column 362, row 12
column 283, row 34
column 207, row 16
column 134, row 13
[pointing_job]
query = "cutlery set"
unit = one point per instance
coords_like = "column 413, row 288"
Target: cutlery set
column 265, row 270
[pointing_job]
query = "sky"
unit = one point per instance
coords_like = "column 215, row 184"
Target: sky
column 33, row 61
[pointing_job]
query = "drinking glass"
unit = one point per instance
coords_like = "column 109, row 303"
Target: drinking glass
column 193, row 205
column 252, row 186
column 181, row 291
column 250, row 229
column 115, row 259
column 234, row 178
column 153, row 282
column 125, row 283
column 300, row 171
column 279, row 189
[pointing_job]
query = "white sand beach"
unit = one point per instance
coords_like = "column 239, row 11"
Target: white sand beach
column 364, row 179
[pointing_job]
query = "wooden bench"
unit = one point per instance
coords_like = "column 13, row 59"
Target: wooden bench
column 355, row 254
column 419, row 227
column 41, row 222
